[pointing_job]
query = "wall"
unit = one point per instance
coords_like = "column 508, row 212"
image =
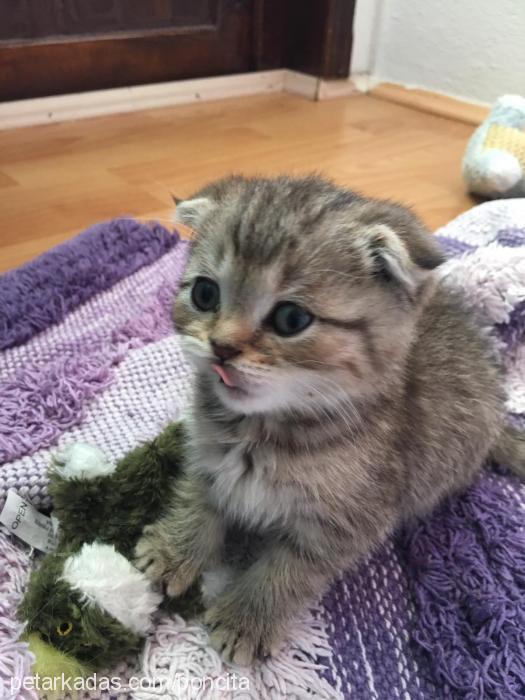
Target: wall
column 367, row 23
column 474, row 49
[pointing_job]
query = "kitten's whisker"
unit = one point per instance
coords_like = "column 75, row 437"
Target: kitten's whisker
column 335, row 406
column 348, row 402
column 252, row 371
column 317, row 362
column 339, row 406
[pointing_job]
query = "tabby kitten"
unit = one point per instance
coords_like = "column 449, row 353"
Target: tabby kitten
column 340, row 390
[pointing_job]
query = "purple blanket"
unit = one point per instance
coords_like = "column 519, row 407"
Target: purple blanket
column 89, row 354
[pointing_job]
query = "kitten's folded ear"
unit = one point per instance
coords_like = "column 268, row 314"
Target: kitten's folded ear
column 192, row 212
column 396, row 261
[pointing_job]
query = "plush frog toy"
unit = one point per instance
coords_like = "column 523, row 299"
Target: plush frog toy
column 86, row 606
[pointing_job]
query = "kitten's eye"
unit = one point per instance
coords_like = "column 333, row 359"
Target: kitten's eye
column 205, row 294
column 289, row 319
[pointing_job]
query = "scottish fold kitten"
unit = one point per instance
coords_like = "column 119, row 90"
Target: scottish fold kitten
column 340, row 390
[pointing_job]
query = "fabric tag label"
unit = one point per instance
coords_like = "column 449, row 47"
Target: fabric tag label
column 23, row 519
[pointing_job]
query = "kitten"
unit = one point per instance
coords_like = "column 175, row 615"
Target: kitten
column 340, row 390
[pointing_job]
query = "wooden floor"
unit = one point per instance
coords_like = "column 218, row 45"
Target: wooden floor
column 59, row 178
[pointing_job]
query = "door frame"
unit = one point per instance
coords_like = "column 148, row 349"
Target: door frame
column 308, row 36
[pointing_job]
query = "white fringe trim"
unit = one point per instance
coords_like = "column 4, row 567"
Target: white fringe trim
column 180, row 650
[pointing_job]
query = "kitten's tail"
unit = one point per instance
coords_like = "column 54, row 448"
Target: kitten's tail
column 510, row 450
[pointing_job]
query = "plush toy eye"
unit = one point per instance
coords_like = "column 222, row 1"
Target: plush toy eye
column 64, row 629
column 205, row 294
column 289, row 319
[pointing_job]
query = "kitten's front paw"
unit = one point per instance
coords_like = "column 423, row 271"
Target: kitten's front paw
column 238, row 638
column 158, row 560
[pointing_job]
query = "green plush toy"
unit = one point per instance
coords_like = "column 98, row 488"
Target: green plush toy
column 87, row 606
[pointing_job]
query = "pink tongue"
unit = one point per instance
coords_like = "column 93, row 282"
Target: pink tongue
column 223, row 374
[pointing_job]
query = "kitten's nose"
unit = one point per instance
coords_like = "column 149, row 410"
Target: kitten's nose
column 224, row 352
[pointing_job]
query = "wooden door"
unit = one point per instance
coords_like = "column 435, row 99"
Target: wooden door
column 60, row 46
column 50, row 47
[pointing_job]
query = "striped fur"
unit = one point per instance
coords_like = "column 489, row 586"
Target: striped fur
column 386, row 403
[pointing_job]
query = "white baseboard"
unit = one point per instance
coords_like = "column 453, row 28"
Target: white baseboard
column 317, row 88
column 365, row 82
column 332, row 89
column 300, row 84
column 46, row 110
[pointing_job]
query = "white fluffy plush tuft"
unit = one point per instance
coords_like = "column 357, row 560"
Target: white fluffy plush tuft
column 513, row 101
column 83, row 461
column 501, row 170
column 107, row 579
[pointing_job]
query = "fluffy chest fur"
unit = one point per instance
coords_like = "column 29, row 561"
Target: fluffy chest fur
column 243, row 483
column 265, row 473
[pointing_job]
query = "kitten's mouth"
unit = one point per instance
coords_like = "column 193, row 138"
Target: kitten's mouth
column 227, row 378
column 224, row 374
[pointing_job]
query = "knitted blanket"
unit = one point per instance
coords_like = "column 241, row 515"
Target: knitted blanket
column 89, row 354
